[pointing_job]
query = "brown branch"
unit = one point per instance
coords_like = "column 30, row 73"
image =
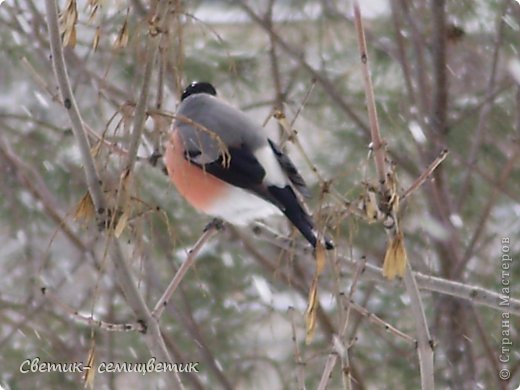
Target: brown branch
column 401, row 53
column 300, row 364
column 89, row 320
column 507, row 170
column 490, row 351
column 383, row 324
column 159, row 21
column 418, row 43
column 192, row 377
column 477, row 137
column 424, row 340
column 439, row 110
column 474, row 294
column 208, row 233
column 35, row 184
column 333, row 357
column 153, row 336
column 296, row 280
column 425, row 347
column 377, row 143
column 327, row 85
column 195, row 331
column 69, row 102
column 425, row 175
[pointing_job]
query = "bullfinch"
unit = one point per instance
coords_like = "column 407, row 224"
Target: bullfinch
column 224, row 164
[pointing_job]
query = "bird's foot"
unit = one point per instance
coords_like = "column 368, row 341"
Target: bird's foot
column 215, row 223
column 154, row 158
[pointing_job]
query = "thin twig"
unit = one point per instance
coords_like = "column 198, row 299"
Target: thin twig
column 477, row 137
column 33, row 181
column 180, row 356
column 303, row 102
column 425, row 347
column 158, row 24
column 327, row 85
column 474, row 294
column 378, row 321
column 198, row 336
column 275, row 68
column 89, row 320
column 507, row 170
column 439, row 109
column 418, row 42
column 377, row 143
column 489, row 349
column 424, row 340
column 183, row 269
column 300, row 364
column 333, row 357
column 140, row 109
column 402, row 57
column 425, row 175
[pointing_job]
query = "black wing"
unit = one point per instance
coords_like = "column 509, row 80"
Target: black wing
column 241, row 169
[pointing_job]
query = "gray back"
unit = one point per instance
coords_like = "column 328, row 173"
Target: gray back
column 215, row 120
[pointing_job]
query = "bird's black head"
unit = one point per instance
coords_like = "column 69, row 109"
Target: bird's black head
column 198, row 87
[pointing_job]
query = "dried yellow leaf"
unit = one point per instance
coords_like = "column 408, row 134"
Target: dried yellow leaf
column 395, row 258
column 393, row 202
column 93, row 12
column 85, row 209
column 122, row 37
column 95, row 42
column 370, row 206
column 320, row 258
column 121, row 224
column 94, row 151
column 90, row 371
column 68, row 20
column 310, row 313
column 70, row 39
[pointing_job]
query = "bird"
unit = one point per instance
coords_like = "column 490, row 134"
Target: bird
column 225, row 166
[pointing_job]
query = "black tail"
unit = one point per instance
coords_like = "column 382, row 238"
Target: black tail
column 291, row 207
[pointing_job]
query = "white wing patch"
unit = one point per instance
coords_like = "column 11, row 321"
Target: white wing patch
column 274, row 174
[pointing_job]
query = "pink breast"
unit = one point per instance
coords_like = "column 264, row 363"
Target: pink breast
column 199, row 188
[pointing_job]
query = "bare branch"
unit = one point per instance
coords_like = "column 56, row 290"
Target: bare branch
column 377, row 143
column 69, row 102
column 209, row 232
column 424, row 340
column 89, row 320
column 383, row 324
column 439, row 110
column 333, row 357
column 471, row 293
column 476, row 139
column 504, row 176
column 425, row 349
column 159, row 22
column 327, row 85
column 153, row 336
column 425, row 175
column 300, row 364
